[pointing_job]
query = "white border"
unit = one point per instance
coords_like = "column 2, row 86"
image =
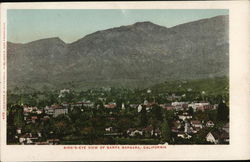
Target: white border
column 239, row 92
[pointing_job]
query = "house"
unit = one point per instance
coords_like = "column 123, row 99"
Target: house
column 184, row 135
column 199, row 106
column 80, row 104
column 167, row 106
column 55, row 110
column 212, row 137
column 33, row 119
column 184, row 117
column 58, row 110
column 133, row 132
column 39, row 111
column 110, row 105
column 63, row 92
column 205, row 107
column 210, row 123
column 179, row 105
column 194, row 130
column 49, row 110
column 27, row 138
column 53, row 141
column 139, row 108
column 88, row 104
column 23, row 138
column 145, row 102
column 18, row 130
column 149, row 131
column 39, row 134
column 196, row 123
column 108, row 129
column 149, row 91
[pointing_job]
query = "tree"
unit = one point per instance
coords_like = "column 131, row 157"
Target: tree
column 165, row 131
column 157, row 112
column 143, row 117
column 222, row 112
column 63, row 125
column 18, row 116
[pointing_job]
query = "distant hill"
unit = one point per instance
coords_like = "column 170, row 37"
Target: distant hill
column 209, row 86
column 138, row 55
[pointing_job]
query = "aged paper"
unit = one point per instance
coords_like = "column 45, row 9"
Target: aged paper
column 82, row 97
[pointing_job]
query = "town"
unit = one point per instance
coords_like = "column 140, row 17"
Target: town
column 117, row 116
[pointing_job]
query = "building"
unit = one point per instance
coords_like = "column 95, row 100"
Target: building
column 184, row 117
column 56, row 110
column 212, row 137
column 134, row 132
column 139, row 108
column 59, row 111
column 210, row 123
column 200, row 106
column 179, row 105
column 196, row 124
column 184, row 135
column 49, row 110
column 63, row 92
column 110, row 105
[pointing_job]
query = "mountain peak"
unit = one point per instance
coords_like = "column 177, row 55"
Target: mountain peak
column 146, row 24
column 143, row 23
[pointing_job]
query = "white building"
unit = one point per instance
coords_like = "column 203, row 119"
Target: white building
column 139, row 108
column 210, row 123
column 195, row 106
column 59, row 111
column 211, row 138
column 63, row 92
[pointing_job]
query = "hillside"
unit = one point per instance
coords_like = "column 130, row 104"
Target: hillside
column 138, row 55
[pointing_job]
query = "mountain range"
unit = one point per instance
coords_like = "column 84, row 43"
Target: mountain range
column 137, row 55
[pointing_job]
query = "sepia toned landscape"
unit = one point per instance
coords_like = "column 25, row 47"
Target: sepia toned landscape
column 141, row 83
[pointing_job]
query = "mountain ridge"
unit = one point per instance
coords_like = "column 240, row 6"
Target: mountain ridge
column 129, row 56
column 141, row 22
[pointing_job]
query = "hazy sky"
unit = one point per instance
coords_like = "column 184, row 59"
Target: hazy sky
column 70, row 25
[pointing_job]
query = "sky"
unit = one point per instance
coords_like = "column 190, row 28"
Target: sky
column 27, row 25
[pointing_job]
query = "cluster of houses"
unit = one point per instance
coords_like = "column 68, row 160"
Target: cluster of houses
column 148, row 132
column 184, row 127
column 31, row 113
column 33, row 138
column 55, row 110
